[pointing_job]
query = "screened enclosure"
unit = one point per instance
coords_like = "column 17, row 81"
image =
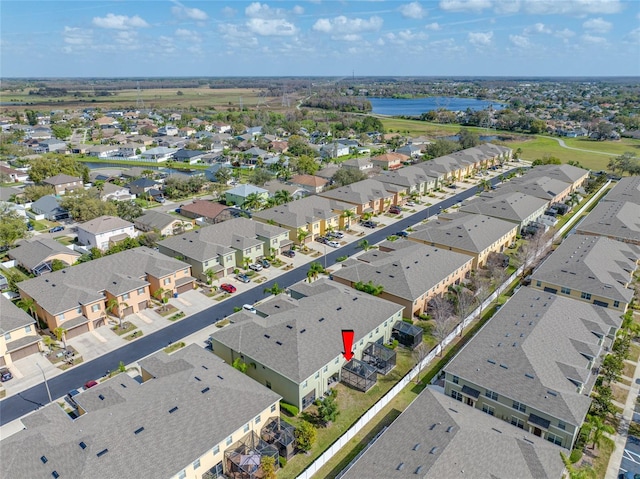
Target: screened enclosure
column 243, row 459
column 407, row 334
column 280, row 434
column 359, row 375
column 380, row 357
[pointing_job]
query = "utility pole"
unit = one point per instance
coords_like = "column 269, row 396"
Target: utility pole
column 45, row 381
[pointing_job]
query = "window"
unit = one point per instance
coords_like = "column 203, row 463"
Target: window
column 125, row 296
column 79, row 310
column 326, row 368
column 519, row 406
column 456, row 395
column 538, row 283
column 517, row 422
column 268, row 384
column 140, row 290
column 616, row 304
column 216, row 450
column 27, row 329
column 95, row 307
column 305, row 384
column 455, row 379
column 557, row 440
column 228, row 258
column 166, row 281
column 273, row 408
column 488, row 409
column 257, row 419
column 586, row 296
column 565, row 290
column 562, row 425
column 182, row 474
column 61, row 317
column 377, row 330
column 196, row 464
column 229, row 440
column 336, row 361
column 317, row 375
column 7, row 336
column 206, row 263
column 246, row 428
column 491, row 395
column 186, row 271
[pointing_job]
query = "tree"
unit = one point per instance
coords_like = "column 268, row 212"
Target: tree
column 223, row 175
column 418, row 354
column 259, row 176
column 305, row 435
column 348, row 215
column 328, row 410
column 462, row 299
column 583, row 472
column 48, row 341
column 128, row 210
column 61, row 131
column 268, row 466
column 537, row 127
column 35, row 192
column 612, row 367
column 298, row 146
column 61, row 335
column 365, row 245
column 369, row 288
column 468, row 138
column 441, row 148
column 302, row 235
column 57, row 265
column 12, row 228
column 597, row 428
column 253, row 201
column 602, row 404
column 485, row 184
column 305, row 165
column 85, row 205
column 210, row 274
column 240, row 365
column 315, row 269
column 283, row 197
column 532, row 249
column 441, row 311
column 160, row 294
column 274, row 290
column 344, row 177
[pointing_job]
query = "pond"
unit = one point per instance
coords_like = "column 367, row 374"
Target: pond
column 418, row 106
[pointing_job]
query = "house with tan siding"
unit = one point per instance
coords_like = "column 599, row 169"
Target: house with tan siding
column 18, row 335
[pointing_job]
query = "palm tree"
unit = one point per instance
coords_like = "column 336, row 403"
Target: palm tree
column 365, row 245
column 274, row 290
column 315, row 268
column 283, row 197
column 485, row 184
column 302, row 235
column 121, row 309
column 583, row 472
column 253, row 201
column 597, row 428
column 210, row 275
column 28, row 305
column 112, row 304
column 61, row 335
column 347, row 215
column 271, row 202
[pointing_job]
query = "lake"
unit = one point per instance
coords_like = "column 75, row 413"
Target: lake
column 418, row 106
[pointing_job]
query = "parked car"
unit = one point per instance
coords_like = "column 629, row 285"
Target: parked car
column 368, row 224
column 321, row 239
column 229, row 288
column 5, row 374
column 402, row 234
column 56, row 229
column 264, row 263
column 410, row 203
column 333, row 244
column 255, row 267
column 29, row 226
column 396, row 210
column 289, row 253
column 250, row 308
column 90, row 384
column 243, row 277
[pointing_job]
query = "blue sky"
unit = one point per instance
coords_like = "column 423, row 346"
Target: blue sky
column 116, row 38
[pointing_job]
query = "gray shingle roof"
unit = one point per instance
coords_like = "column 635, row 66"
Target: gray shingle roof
column 61, row 179
column 299, row 213
column 535, row 333
column 438, row 437
column 409, row 272
column 409, row 176
column 510, row 206
column 245, row 190
column 220, row 239
column 468, row 232
column 564, row 172
column 155, row 220
column 32, row 253
column 201, row 421
column 360, row 193
column 104, row 224
column 615, row 219
column 543, row 187
column 627, row 189
column 307, row 343
column 12, row 317
column 118, row 273
column 592, row 264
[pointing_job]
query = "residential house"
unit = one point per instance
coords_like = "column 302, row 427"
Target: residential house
column 410, row 273
column 142, row 186
column 369, row 196
column 225, row 247
column 273, row 186
column 220, row 127
column 158, row 154
column 171, row 142
column 415, row 180
column 310, row 183
column 41, row 134
column 594, row 269
column 52, row 145
column 334, row 149
column 164, row 223
column 63, row 183
column 104, row 231
column 238, row 195
column 573, row 175
column 50, row 208
column 550, row 189
column 618, row 220
column 210, row 173
column 14, row 175
column 18, row 335
column 129, row 150
column 78, row 298
column 412, row 151
column 168, row 130
column 328, row 172
column 106, row 122
column 186, row 131
column 113, row 192
column 188, row 156
column 310, row 217
column 533, row 364
column 38, row 254
column 294, row 345
column 515, row 207
column 436, row 438
column 209, row 211
column 104, row 151
column 626, row 189
column 390, row 161
column 361, row 164
column 475, row 235
column 11, row 194
column 190, row 390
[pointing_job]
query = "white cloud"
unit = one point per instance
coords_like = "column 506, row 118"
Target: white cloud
column 565, row 34
column 507, row 6
column 520, row 41
column 119, row 22
column 165, row 45
column 632, row 37
column 77, row 36
column 465, row 5
column 573, row 7
column 538, row 28
column 480, row 39
column 587, row 38
column 229, row 12
column 345, row 26
column 262, row 10
column 188, row 35
column 298, row 10
column 412, row 10
column 405, row 36
column 181, row 11
column 433, row 26
column 127, row 39
column 597, row 25
column 273, row 27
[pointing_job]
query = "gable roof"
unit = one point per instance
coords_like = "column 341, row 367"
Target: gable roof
column 308, row 180
column 204, row 208
column 361, row 192
column 12, row 317
column 619, row 219
column 32, row 253
column 104, row 224
column 48, row 204
column 156, row 220
column 61, row 179
column 304, row 211
column 245, row 190
column 540, row 335
column 296, row 342
column 511, row 206
column 131, row 421
column 627, row 189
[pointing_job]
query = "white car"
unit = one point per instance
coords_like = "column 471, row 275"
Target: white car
column 410, row 203
column 249, row 308
column 255, row 267
column 333, row 244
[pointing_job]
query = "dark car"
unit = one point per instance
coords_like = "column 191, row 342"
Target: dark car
column 321, row 239
column 402, row 234
column 56, row 229
column 243, row 277
column 90, row 384
column 289, row 253
column 5, row 374
column 229, row 288
column 368, row 224
column 396, row 210
column 264, row 263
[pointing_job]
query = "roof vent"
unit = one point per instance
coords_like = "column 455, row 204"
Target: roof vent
column 279, row 343
column 400, row 466
column 173, row 409
column 433, row 450
column 504, row 366
column 44, row 459
column 205, row 390
column 139, row 430
column 102, row 453
column 204, row 367
column 267, row 336
column 527, row 375
column 101, row 397
column 82, row 445
column 220, row 377
column 418, row 470
column 496, row 430
column 289, row 326
column 416, row 447
column 320, row 320
column 491, row 361
column 450, row 428
column 338, row 308
column 197, row 378
column 302, row 331
column 55, row 474
column 433, row 426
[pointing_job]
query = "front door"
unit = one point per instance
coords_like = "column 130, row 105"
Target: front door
column 537, row 431
column 468, row 401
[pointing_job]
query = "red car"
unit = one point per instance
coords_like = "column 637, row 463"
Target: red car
column 229, row 288
column 90, row 384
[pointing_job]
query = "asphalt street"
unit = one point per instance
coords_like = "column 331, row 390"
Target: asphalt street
column 16, row 406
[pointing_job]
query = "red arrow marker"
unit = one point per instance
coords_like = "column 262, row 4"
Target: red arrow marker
column 347, row 341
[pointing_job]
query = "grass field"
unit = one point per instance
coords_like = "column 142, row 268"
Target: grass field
column 533, row 147
column 152, row 98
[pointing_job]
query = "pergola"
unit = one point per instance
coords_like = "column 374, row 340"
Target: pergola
column 359, row 375
column 380, row 357
column 243, row 460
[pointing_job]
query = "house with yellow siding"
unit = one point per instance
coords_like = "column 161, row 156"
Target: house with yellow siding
column 18, row 336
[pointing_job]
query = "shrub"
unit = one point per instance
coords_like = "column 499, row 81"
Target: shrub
column 283, row 461
column 392, row 345
column 236, row 309
column 342, row 258
column 290, row 409
column 576, row 455
column 305, row 435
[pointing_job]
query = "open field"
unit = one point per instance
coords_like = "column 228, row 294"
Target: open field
column 533, row 147
column 152, row 98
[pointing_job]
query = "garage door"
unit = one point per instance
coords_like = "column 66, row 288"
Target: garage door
column 127, row 311
column 2, row 361
column 98, row 323
column 72, row 333
column 24, row 352
column 184, row 288
column 142, row 305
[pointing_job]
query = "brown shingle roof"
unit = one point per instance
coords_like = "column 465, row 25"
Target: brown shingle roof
column 207, row 209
